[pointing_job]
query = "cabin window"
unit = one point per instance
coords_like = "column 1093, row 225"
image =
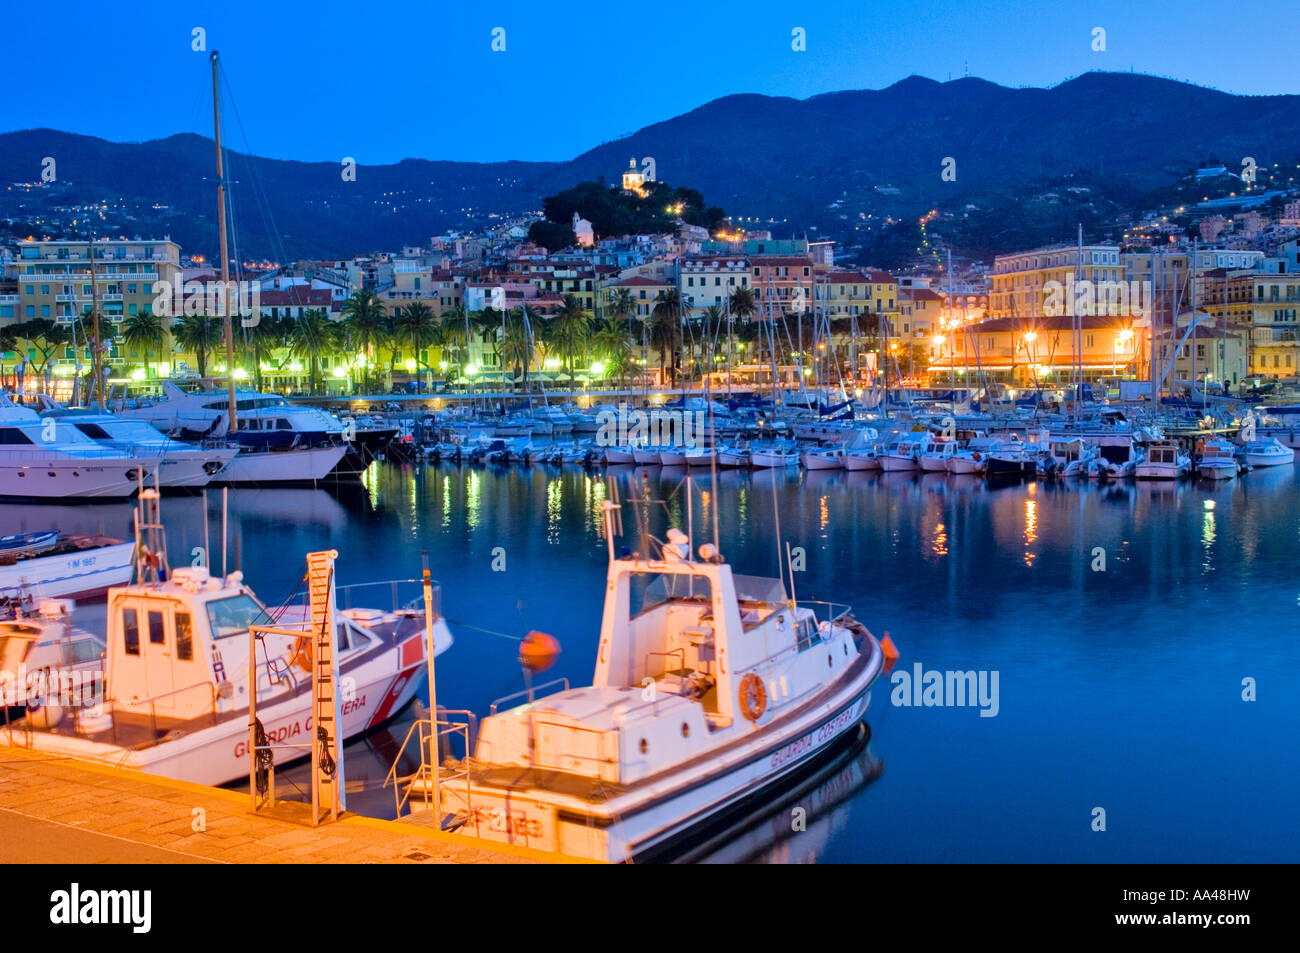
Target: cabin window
column 157, row 634
column 131, row 631
column 234, row 614
column 184, row 637
column 93, row 431
column 12, row 435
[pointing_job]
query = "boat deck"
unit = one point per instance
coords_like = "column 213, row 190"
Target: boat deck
column 53, row 810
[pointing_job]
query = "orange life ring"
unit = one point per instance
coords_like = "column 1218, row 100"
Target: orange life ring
column 753, row 697
column 302, row 654
column 975, row 456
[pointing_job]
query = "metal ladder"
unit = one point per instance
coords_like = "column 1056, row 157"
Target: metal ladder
column 326, row 752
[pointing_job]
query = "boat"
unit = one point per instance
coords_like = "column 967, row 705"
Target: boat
column 645, row 456
column 179, row 668
column 972, row 458
column 44, row 659
column 673, row 456
column 823, row 458
column 905, row 454
column 1163, row 460
column 732, row 455
column 1066, row 458
column 711, row 690
column 863, row 458
column 937, row 457
column 182, row 465
column 75, row 567
column 1011, row 459
column 701, row 456
column 20, row 545
column 774, row 456
column 1267, row 452
column 1216, row 460
column 618, row 455
column 49, row 459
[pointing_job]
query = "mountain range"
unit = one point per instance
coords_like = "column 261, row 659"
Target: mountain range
column 1097, row 144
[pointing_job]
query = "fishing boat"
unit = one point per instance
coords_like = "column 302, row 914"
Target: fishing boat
column 1013, row 458
column 824, row 458
column 1163, row 460
column 180, row 668
column 75, row 567
column 711, row 690
column 937, row 457
column 733, row 455
column 673, row 456
column 1216, row 460
column 619, row 455
column 646, row 456
column 972, row 458
column 1267, row 452
column 1066, row 458
column 862, row 458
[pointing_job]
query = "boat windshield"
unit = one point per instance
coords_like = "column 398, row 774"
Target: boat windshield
column 649, row 589
column 234, row 614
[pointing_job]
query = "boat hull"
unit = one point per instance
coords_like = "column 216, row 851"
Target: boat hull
column 74, row 575
column 296, row 467
column 106, row 479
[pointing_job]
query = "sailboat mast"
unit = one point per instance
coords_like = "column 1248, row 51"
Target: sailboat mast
column 224, row 297
column 96, row 354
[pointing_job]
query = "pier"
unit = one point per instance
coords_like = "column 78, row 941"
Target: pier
column 58, row 811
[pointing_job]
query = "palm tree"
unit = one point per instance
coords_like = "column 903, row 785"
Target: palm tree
column 313, row 336
column 365, row 319
column 613, row 341
column 199, row 335
column 569, row 327
column 456, row 333
column 665, row 328
column 266, row 334
column 143, row 331
column 417, row 324
column 517, row 348
column 43, row 336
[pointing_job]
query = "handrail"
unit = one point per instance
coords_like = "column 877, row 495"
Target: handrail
column 153, row 705
column 830, row 607
column 529, row 691
column 430, row 744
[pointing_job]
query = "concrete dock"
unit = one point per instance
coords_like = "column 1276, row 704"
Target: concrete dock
column 58, row 810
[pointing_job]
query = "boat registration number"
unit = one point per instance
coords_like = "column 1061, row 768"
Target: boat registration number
column 497, row 820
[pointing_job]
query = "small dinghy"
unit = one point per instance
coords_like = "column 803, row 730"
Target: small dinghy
column 20, row 545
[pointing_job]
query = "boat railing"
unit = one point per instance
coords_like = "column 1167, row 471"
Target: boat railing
column 432, row 742
column 353, row 595
column 825, row 611
column 152, row 702
column 531, row 692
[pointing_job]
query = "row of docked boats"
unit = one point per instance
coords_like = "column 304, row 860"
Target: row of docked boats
column 180, row 442
column 711, row 689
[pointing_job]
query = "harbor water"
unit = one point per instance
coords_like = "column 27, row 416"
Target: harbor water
column 1133, row 644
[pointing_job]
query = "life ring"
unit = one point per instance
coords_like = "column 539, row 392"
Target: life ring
column 753, row 697
column 302, row 654
column 975, row 456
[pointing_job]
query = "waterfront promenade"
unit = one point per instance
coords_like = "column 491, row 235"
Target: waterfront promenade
column 61, row 811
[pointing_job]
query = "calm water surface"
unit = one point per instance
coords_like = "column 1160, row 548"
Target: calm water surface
column 1118, row 688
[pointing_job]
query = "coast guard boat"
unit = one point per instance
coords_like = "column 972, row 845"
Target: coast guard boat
column 178, row 672
column 710, row 689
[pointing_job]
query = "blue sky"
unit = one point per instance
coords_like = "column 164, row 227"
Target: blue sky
column 383, row 81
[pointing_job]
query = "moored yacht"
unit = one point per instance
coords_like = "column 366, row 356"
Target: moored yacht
column 1267, row 452
column 181, row 465
column 1216, row 460
column 710, row 689
column 1163, row 460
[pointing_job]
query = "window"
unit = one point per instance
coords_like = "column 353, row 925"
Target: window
column 234, row 614
column 184, row 636
column 131, row 631
column 157, row 634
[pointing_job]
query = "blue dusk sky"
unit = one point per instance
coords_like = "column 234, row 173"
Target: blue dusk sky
column 384, row 81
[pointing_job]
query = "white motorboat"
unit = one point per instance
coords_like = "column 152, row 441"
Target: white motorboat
column 972, row 458
column 297, row 466
column 711, row 690
column 177, row 672
column 1216, row 460
column 673, row 456
column 646, row 456
column 824, row 458
column 1012, row 458
column 733, row 456
column 617, row 455
column 1267, row 452
column 76, row 567
column 49, row 459
column 905, row 454
column 182, row 466
column 936, row 458
column 863, row 458
column 1066, row 458
column 701, row 456
column 1163, row 460
column 773, row 456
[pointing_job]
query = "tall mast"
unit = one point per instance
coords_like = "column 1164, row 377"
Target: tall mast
column 224, row 297
column 1078, row 331
column 96, row 355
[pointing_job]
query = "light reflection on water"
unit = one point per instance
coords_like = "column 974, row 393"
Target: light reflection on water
column 1120, row 688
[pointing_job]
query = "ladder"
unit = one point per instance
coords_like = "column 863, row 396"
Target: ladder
column 327, row 796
